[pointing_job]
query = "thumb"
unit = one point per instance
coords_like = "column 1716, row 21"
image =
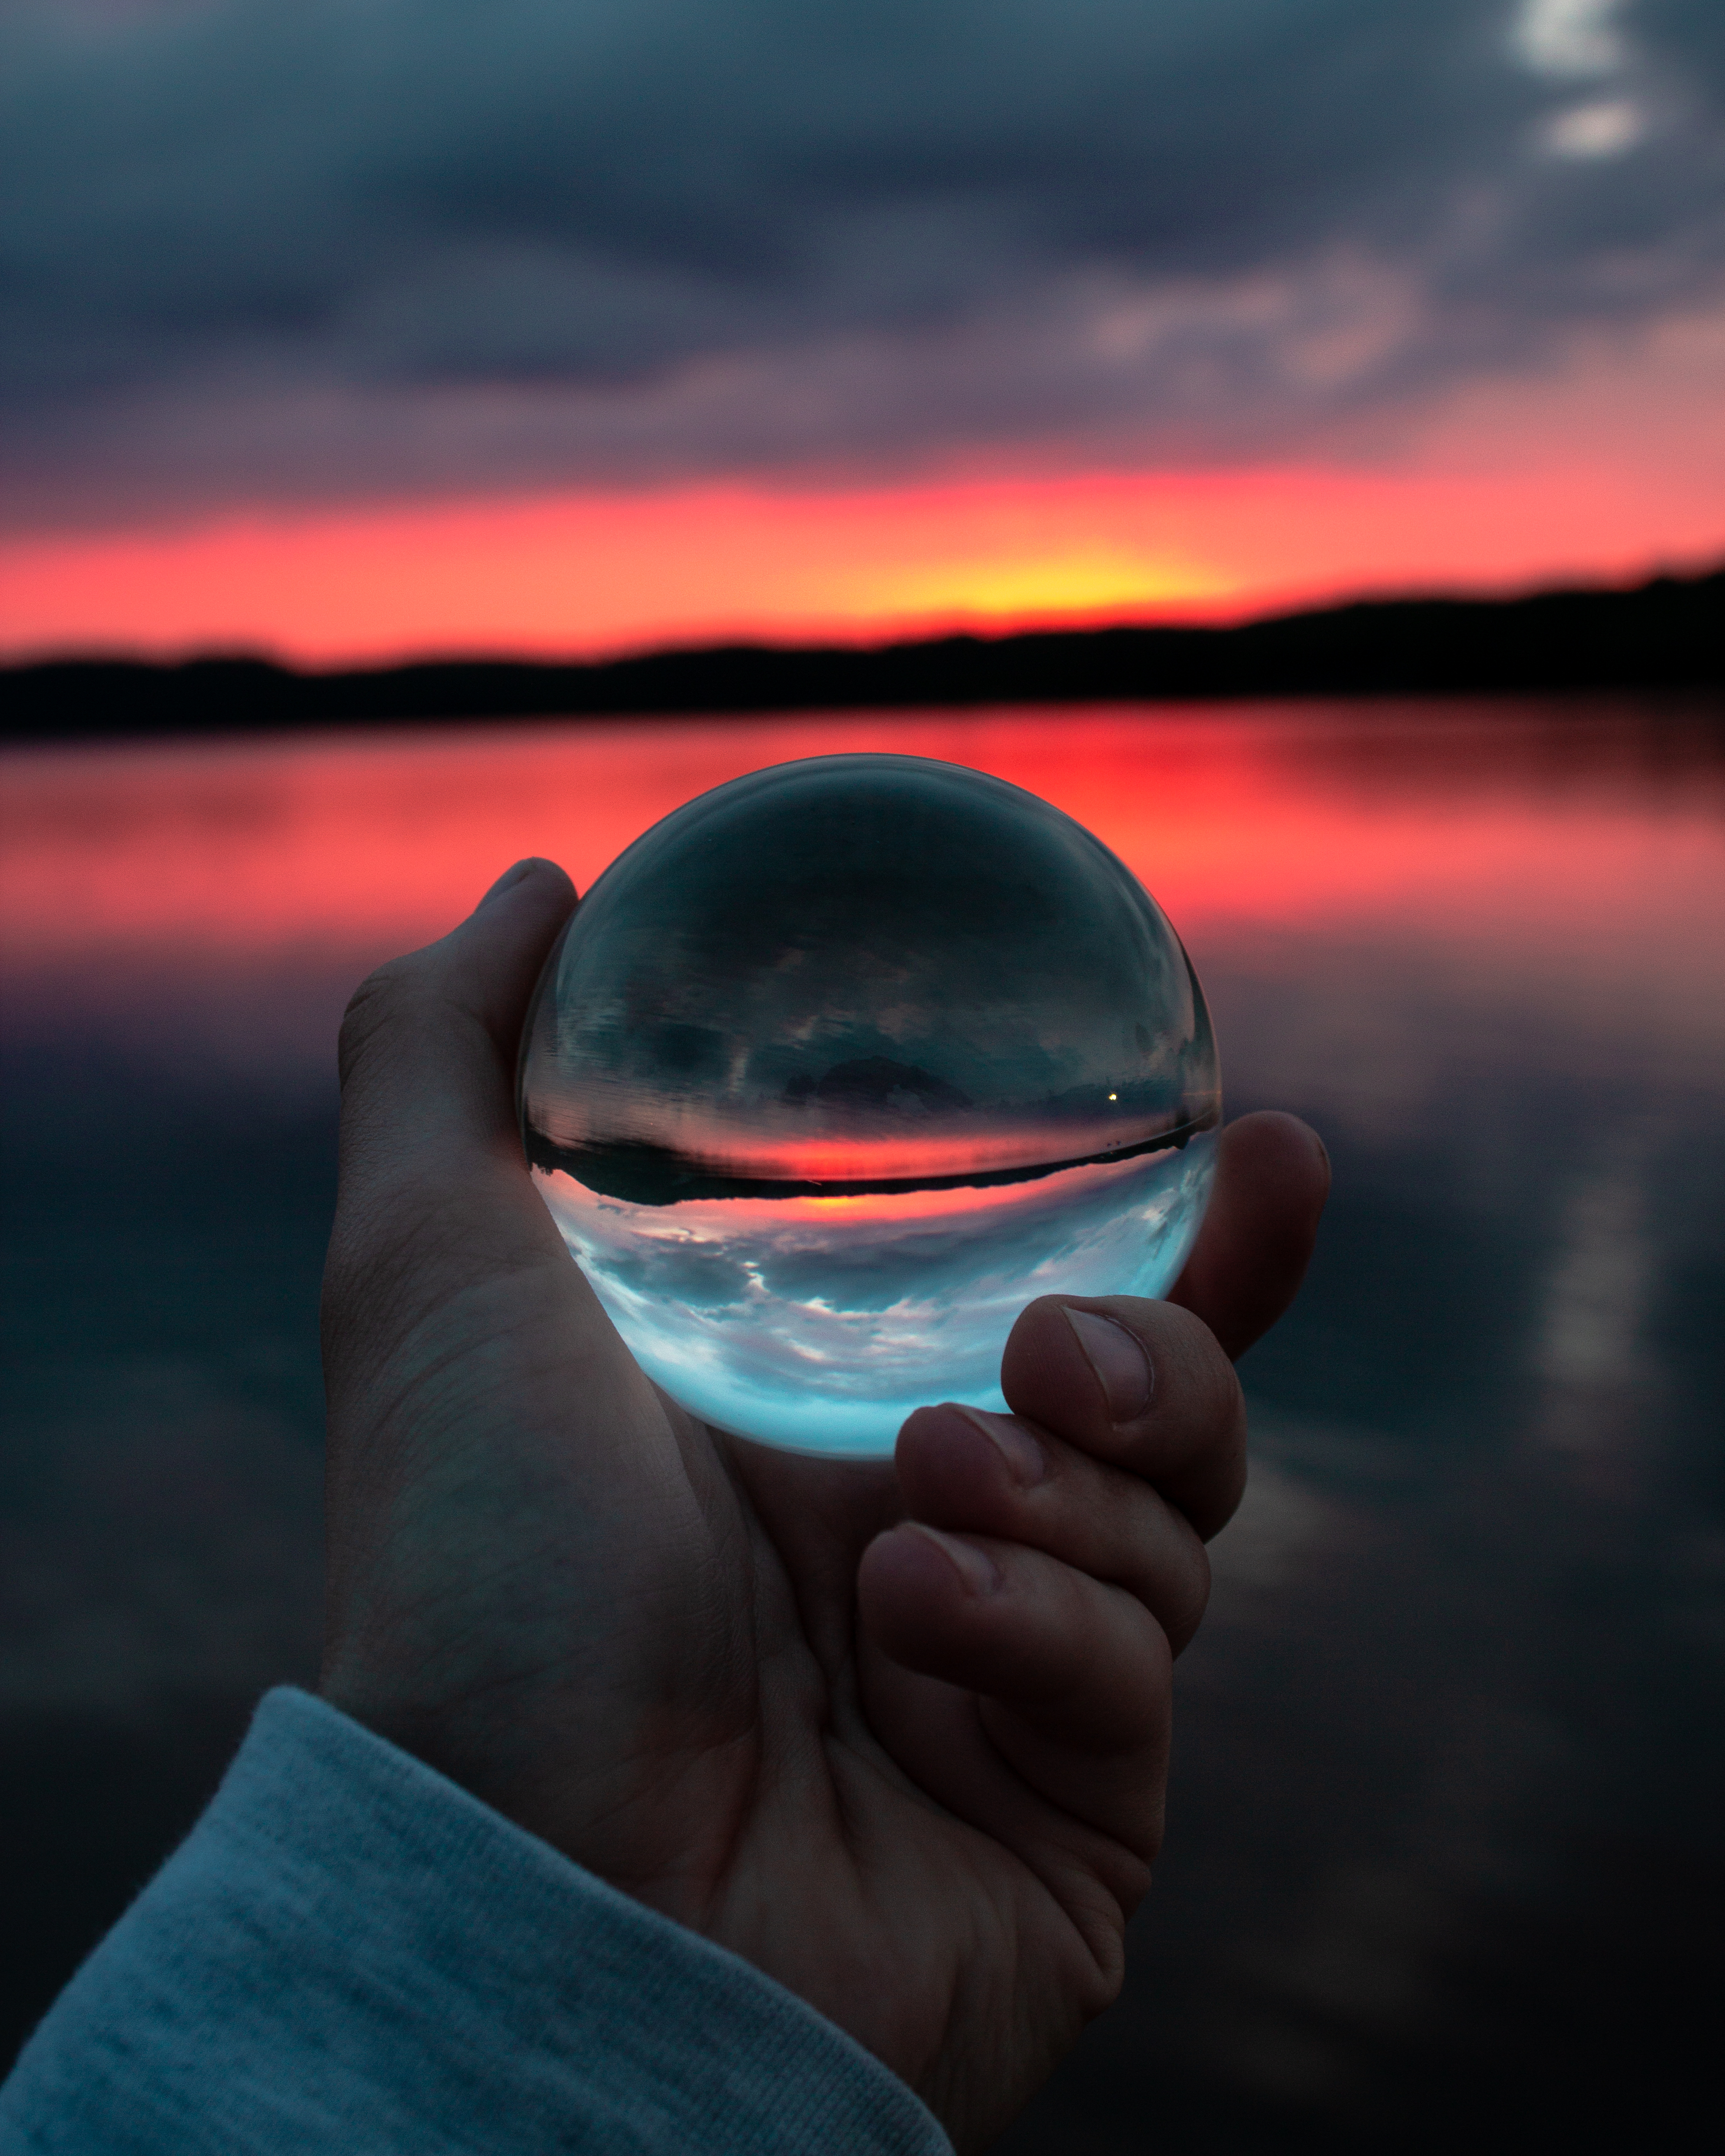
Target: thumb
column 446, row 1019
column 487, row 1426
column 431, row 1163
column 428, row 1045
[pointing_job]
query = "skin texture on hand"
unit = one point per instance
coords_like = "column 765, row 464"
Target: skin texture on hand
column 896, row 1733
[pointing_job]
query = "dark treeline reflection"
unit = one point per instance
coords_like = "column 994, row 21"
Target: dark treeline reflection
column 1443, row 1863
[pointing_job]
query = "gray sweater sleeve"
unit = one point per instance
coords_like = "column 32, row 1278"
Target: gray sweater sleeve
column 350, row 1953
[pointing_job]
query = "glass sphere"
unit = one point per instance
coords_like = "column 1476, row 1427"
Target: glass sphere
column 840, row 1065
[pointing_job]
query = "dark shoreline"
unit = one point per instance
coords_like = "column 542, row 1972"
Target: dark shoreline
column 1667, row 633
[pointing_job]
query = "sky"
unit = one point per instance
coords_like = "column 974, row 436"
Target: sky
column 375, row 326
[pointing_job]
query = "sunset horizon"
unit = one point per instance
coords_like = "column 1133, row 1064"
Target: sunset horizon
column 589, row 577
column 348, row 342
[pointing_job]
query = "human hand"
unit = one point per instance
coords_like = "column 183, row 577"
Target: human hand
column 896, row 1733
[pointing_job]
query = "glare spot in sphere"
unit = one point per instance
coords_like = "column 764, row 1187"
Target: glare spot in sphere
column 840, row 1065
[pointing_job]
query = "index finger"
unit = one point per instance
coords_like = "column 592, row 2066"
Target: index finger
column 1143, row 1386
column 1176, row 1417
column 1272, row 1178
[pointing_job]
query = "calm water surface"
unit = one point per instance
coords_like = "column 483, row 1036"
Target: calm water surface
column 1444, row 1860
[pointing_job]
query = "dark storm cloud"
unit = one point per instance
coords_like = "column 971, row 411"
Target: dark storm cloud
column 365, row 243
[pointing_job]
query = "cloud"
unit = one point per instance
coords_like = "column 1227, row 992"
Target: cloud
column 770, row 1318
column 364, row 245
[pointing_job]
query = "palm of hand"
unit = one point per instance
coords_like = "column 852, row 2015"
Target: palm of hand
column 922, row 1789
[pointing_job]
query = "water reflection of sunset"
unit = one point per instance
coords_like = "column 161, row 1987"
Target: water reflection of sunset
column 1515, row 828
column 1535, row 873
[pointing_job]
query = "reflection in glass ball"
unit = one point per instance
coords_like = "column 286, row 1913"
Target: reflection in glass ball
column 838, row 1066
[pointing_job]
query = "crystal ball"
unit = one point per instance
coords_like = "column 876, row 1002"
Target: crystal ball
column 840, row 1064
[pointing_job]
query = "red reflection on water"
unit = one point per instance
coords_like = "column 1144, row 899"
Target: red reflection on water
column 1509, row 831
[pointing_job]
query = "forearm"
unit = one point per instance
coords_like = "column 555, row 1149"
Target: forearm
column 351, row 1951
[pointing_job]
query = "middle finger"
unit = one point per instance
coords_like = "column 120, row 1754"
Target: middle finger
column 970, row 1471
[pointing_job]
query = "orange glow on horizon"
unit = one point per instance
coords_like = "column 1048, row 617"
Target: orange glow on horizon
column 979, row 1145
column 1601, row 463
column 592, row 573
column 871, row 1209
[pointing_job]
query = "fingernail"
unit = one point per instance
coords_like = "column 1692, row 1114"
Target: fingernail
column 1026, row 1461
column 974, row 1566
column 1118, row 1359
column 506, row 881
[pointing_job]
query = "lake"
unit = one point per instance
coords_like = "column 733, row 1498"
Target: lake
column 1443, row 1861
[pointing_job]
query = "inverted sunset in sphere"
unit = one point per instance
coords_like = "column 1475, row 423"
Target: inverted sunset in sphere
column 840, row 1064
